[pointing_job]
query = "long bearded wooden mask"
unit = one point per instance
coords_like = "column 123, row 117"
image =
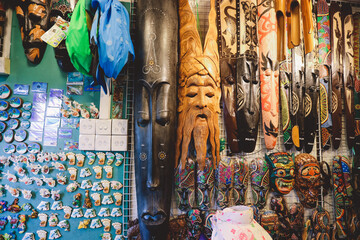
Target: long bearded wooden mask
column 33, row 17
column 199, row 89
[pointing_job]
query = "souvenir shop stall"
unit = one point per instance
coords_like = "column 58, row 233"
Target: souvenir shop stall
column 186, row 119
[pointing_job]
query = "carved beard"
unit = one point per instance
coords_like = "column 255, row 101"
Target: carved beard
column 202, row 125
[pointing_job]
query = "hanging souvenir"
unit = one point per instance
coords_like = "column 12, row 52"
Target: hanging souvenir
column 61, row 178
column 84, row 224
column 96, row 198
column 55, row 195
column 42, row 234
column 43, row 219
column 90, row 213
column 67, row 210
column 28, row 236
column 118, row 228
column 320, row 222
column 64, row 224
column 77, row 200
column 87, row 201
column 282, row 171
column 116, row 185
column 241, row 179
column 119, row 159
column 205, row 186
column 86, row 184
column 95, row 223
column 57, row 205
column 13, row 191
column 278, row 204
column 260, row 181
column 110, row 158
column 106, row 185
column 356, row 37
column 194, row 223
column 104, row 212
column 26, row 180
column 225, row 173
column 27, row 194
column 108, row 199
column 348, row 71
column 101, row 157
column 116, row 212
column 43, row 206
column 77, row 213
column 91, row 156
column 296, row 218
column 45, row 193
column 54, row 234
column 53, row 220
column 324, row 72
column 337, row 51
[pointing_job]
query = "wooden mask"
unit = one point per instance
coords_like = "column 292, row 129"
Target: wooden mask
column 63, row 9
column 269, row 221
column 154, row 109
column 307, row 179
column 198, row 90
column 33, row 17
column 260, row 181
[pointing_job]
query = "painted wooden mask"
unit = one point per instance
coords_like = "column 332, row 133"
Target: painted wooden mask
column 154, row 113
column 260, row 181
column 198, row 90
column 185, row 186
column 307, row 179
column 282, row 171
column 225, row 177
column 63, row 9
column 205, row 186
column 241, row 179
column 33, row 17
column 194, row 223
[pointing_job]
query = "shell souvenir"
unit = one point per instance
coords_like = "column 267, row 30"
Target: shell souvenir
column 62, row 156
column 53, row 220
column 119, row 159
column 26, row 180
column 80, row 159
column 73, row 173
column 21, row 148
column 55, row 195
column 45, row 193
column 15, row 102
column 38, row 181
column 20, row 171
column 43, row 206
column 97, row 198
column 72, row 187
column 77, row 213
column 116, row 212
column 110, row 158
column 34, row 148
column 95, row 223
column 116, row 185
column 13, row 191
column 9, row 148
column 58, row 166
column 85, row 172
column 43, row 219
column 49, row 181
column 101, row 157
column 90, row 213
column 84, row 224
column 118, row 198
column 45, row 169
column 42, row 234
column 109, row 171
column 67, row 210
column 106, row 185
column 94, row 111
column 71, row 157
column 57, row 205
column 14, row 123
column 35, row 168
column 64, row 224
column 86, row 184
column 61, row 178
column 107, row 200
column 118, row 228
column 27, row 194
column 4, row 105
column 107, row 224
column 54, row 234
column 54, row 156
column 10, row 177
column 31, row 157
column 98, row 172
column 104, row 212
column 28, row 236
column 97, row 186
column 91, row 156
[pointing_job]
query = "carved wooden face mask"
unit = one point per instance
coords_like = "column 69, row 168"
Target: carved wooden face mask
column 185, row 186
column 199, row 90
column 260, row 181
column 205, row 186
column 307, row 179
column 194, row 223
column 33, row 17
column 241, row 179
column 225, row 173
column 282, row 171
column 63, row 9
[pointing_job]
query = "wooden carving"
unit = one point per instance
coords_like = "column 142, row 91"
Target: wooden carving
column 269, row 71
column 349, row 74
column 357, row 80
column 323, row 20
column 337, row 44
column 308, row 26
column 198, row 91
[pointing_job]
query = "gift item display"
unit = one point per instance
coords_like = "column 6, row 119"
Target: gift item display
column 180, row 119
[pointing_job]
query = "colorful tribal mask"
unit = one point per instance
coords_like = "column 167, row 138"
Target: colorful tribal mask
column 198, row 90
column 282, row 171
column 225, row 176
column 260, row 181
column 33, row 17
column 185, row 186
column 63, row 9
column 307, row 179
column 194, row 223
column 205, row 186
column 241, row 179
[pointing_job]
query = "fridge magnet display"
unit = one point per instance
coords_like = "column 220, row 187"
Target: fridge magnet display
column 26, row 115
column 27, row 106
column 28, row 236
column 43, row 219
column 118, row 198
column 64, row 224
column 15, row 102
column 77, row 213
column 95, row 223
column 14, row 113
column 107, row 224
column 57, row 205
column 43, row 206
column 72, row 186
column 55, row 195
column 67, row 211
column 54, row 234
column 2, row 127
column 97, row 186
column 97, row 198
column 4, row 105
column 116, row 185
column 39, row 87
column 4, row 116
column 87, row 200
column 90, row 213
column 14, row 123
column 116, row 212
column 42, row 234
column 5, row 91
column 106, row 185
column 61, row 178
column 104, row 212
column 53, row 220
column 86, row 184
column 21, row 89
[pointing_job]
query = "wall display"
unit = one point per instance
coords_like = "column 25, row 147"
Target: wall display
column 33, row 17
column 295, row 41
column 269, row 72
column 348, row 71
column 324, row 33
column 64, row 10
column 155, row 105
column 282, row 171
column 337, row 43
column 199, row 91
column 356, row 36
column 311, row 100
